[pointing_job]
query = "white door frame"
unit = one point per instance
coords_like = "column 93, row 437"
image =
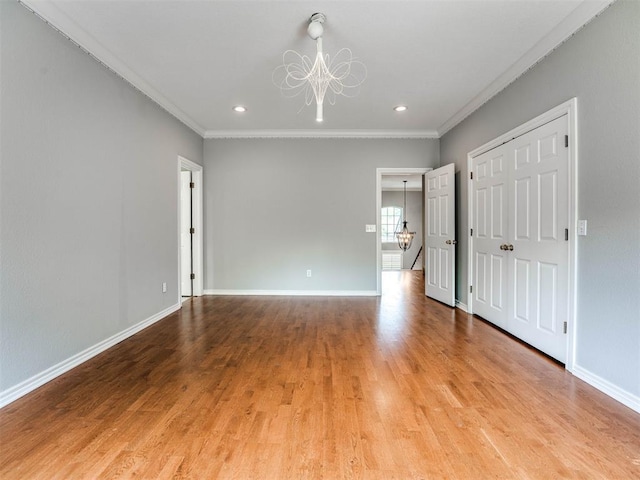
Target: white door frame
column 379, row 173
column 196, row 212
column 569, row 108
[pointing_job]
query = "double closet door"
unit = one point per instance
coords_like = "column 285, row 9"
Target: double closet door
column 520, row 234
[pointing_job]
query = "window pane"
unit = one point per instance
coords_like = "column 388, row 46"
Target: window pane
column 390, row 223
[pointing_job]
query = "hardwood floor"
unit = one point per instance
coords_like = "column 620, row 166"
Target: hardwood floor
column 396, row 387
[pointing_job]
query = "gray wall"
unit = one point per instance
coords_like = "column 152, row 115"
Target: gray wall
column 414, row 223
column 600, row 65
column 88, row 200
column 277, row 207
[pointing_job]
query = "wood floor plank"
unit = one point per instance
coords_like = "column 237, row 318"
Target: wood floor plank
column 396, row 387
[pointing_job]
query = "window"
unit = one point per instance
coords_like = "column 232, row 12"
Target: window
column 390, row 223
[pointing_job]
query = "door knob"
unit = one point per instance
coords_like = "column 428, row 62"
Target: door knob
column 503, row 247
column 510, row 247
column 448, row 242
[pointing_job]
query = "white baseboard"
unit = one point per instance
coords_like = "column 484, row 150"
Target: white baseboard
column 13, row 393
column 615, row 392
column 462, row 306
column 296, row 293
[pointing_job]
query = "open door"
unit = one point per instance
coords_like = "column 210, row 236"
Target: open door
column 186, row 234
column 440, row 242
column 190, row 232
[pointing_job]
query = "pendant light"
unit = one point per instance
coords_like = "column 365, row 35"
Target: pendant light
column 320, row 76
column 405, row 237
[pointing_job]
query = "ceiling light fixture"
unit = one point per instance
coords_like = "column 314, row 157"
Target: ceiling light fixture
column 239, row 109
column 320, row 77
column 400, row 108
column 405, row 237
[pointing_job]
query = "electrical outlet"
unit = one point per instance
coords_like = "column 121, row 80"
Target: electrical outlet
column 308, row 273
column 164, row 287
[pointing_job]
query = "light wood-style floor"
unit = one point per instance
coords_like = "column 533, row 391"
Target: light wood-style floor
column 397, row 387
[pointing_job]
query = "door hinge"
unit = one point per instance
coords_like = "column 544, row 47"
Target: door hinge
column 564, row 327
column 566, row 141
column 192, row 276
column 470, row 288
column 192, row 185
column 471, row 175
column 471, row 234
column 566, row 234
column 192, row 230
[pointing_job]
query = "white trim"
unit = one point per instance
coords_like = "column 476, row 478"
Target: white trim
column 546, row 117
column 577, row 19
column 468, row 234
column 68, row 28
column 189, row 165
column 13, row 393
column 581, row 16
column 572, row 327
column 570, row 109
column 626, row 398
column 406, row 134
column 461, row 306
column 379, row 173
column 198, row 224
column 295, row 293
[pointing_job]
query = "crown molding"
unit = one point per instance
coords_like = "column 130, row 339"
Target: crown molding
column 581, row 16
column 401, row 134
column 51, row 15
column 69, row 29
column 64, row 25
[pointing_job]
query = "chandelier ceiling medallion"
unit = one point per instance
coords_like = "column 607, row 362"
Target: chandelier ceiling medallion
column 319, row 77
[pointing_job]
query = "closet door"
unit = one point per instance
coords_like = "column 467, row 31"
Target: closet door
column 538, row 217
column 489, row 234
column 520, row 248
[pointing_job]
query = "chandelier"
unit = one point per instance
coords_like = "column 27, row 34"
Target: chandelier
column 319, row 77
column 405, row 237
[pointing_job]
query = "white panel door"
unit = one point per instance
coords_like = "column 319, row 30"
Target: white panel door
column 520, row 251
column 489, row 234
column 440, row 242
column 539, row 260
column 185, row 234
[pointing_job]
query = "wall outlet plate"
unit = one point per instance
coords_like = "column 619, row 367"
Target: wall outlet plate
column 370, row 228
column 582, row 228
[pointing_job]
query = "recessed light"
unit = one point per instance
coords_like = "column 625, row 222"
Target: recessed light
column 400, row 108
column 239, row 109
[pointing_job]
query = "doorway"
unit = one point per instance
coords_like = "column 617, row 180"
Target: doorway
column 389, row 194
column 190, row 234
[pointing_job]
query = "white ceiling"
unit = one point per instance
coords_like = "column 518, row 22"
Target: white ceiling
column 197, row 59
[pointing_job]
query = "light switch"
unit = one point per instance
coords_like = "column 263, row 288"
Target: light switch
column 582, row 228
column 370, row 228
